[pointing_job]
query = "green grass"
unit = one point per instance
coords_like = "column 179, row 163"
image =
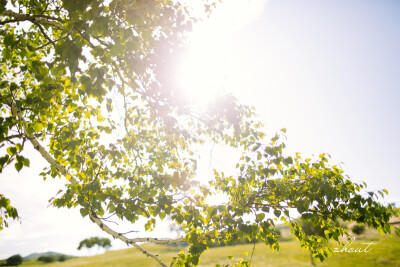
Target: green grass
column 386, row 252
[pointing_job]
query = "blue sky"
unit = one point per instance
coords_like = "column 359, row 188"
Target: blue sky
column 328, row 71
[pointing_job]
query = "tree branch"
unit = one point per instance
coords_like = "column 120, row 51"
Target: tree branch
column 42, row 19
column 44, row 33
column 16, row 112
column 10, row 21
column 53, row 42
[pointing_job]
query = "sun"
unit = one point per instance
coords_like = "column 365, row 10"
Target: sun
column 208, row 68
column 202, row 73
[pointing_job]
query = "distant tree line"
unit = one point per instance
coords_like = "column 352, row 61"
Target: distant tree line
column 16, row 260
column 52, row 258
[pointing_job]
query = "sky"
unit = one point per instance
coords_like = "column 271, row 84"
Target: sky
column 325, row 70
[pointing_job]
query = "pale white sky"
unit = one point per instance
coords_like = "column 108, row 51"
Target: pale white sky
column 325, row 70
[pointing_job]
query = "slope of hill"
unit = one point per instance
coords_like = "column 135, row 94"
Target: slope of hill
column 385, row 252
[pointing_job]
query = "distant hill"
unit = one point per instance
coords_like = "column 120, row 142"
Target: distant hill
column 34, row 256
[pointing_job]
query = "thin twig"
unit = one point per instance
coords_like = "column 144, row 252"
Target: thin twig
column 44, row 33
column 252, row 253
column 46, row 44
column 133, row 231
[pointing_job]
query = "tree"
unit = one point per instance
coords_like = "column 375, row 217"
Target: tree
column 95, row 241
column 62, row 258
column 47, row 258
column 14, row 260
column 358, row 229
column 89, row 85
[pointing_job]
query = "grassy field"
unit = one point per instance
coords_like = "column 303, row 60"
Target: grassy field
column 385, row 252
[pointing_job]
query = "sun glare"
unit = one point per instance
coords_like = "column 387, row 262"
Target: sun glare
column 207, row 67
column 201, row 74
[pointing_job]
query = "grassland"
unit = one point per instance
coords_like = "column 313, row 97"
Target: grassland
column 385, row 252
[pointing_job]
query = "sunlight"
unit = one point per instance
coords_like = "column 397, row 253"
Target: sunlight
column 209, row 64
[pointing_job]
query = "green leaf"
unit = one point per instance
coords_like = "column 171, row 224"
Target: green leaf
column 84, row 212
column 11, row 151
column 277, row 213
column 3, row 4
column 37, row 127
column 7, row 53
column 18, row 165
column 260, row 217
column 397, row 231
column 29, row 129
column 26, row 162
column 13, row 86
column 18, row 147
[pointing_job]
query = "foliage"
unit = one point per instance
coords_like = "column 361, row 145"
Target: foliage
column 6, row 211
column 309, row 228
column 358, row 229
column 53, row 258
column 62, row 258
column 47, row 258
column 95, row 241
column 90, row 85
column 14, row 260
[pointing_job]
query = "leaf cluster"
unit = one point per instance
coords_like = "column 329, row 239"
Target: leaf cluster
column 6, row 212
